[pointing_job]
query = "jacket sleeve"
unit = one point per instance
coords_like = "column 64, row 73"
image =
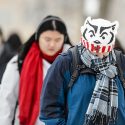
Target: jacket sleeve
column 9, row 92
column 52, row 111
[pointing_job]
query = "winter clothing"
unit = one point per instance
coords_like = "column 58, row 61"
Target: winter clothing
column 9, row 93
column 10, row 89
column 33, row 63
column 29, row 94
column 104, row 101
column 69, row 108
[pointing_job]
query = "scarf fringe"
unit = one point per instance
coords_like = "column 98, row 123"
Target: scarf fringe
column 114, row 114
column 100, row 119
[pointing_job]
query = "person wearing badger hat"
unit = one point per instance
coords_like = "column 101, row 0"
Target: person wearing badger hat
column 97, row 96
column 23, row 78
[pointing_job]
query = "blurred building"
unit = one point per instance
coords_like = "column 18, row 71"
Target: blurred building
column 25, row 15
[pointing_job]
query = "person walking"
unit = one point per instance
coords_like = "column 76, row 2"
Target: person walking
column 23, row 78
column 95, row 95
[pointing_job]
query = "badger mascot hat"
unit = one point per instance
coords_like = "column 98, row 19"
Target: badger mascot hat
column 98, row 35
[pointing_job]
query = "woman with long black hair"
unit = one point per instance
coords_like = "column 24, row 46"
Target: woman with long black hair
column 23, row 78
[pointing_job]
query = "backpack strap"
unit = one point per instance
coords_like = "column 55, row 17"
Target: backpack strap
column 120, row 60
column 77, row 66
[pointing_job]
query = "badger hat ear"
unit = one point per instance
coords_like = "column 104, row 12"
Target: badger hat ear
column 115, row 26
column 88, row 19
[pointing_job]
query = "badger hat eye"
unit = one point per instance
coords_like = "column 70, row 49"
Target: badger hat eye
column 91, row 35
column 113, row 28
column 103, row 37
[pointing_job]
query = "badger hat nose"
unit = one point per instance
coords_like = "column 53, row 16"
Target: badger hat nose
column 97, row 42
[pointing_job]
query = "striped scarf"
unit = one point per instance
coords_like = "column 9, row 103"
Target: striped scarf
column 103, row 105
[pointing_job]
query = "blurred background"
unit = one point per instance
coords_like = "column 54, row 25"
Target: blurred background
column 23, row 16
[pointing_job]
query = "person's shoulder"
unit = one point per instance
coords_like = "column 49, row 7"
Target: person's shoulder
column 120, row 58
column 13, row 61
column 66, row 47
column 120, row 54
column 66, row 55
column 11, row 71
column 63, row 60
column 70, row 53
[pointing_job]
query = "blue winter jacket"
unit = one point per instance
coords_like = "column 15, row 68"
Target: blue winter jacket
column 57, row 108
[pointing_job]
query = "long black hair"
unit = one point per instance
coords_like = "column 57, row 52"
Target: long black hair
column 50, row 22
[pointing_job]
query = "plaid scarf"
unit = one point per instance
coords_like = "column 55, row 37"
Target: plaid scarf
column 103, row 105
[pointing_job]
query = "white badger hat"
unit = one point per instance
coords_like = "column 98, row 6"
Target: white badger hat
column 98, row 35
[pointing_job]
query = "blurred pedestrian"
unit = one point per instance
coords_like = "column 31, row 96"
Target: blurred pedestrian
column 14, row 43
column 23, row 78
column 10, row 48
